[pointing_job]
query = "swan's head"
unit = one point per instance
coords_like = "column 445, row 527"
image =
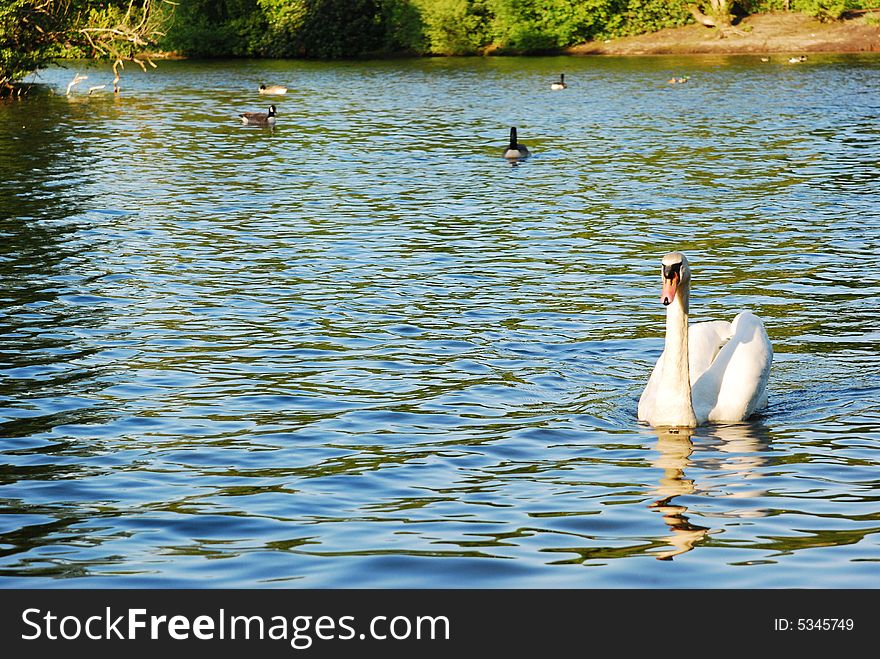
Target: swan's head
column 676, row 274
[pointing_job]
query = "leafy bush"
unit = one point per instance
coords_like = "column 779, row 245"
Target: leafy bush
column 404, row 28
column 531, row 25
column 332, row 29
column 455, row 27
column 642, row 16
column 824, row 10
column 326, row 29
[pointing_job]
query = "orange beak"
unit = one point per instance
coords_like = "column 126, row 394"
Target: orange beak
column 670, row 287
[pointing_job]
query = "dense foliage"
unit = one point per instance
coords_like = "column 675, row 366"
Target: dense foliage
column 353, row 28
column 821, row 9
column 23, row 36
column 325, row 29
column 337, row 28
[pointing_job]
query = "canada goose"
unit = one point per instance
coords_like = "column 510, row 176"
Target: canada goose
column 797, row 60
column 273, row 90
column 559, row 84
column 515, row 150
column 678, row 81
column 259, row 118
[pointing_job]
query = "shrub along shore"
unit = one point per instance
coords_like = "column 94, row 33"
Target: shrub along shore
column 330, row 29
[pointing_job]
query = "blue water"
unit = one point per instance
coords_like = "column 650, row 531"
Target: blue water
column 363, row 350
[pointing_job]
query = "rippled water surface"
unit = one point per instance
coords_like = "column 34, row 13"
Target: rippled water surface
column 363, row 350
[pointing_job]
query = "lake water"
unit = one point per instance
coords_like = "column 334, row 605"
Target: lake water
column 363, row 350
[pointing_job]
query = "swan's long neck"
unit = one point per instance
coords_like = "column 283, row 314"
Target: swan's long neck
column 675, row 383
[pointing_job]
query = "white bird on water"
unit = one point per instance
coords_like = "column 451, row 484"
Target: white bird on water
column 712, row 371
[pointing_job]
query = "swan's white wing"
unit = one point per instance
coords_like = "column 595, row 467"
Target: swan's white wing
column 734, row 386
column 704, row 342
column 649, row 395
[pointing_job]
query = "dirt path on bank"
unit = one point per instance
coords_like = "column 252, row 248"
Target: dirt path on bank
column 763, row 33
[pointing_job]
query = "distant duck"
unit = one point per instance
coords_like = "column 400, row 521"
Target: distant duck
column 273, row 90
column 797, row 60
column 259, row 118
column 678, row 81
column 515, row 150
column 765, row 59
column 559, row 84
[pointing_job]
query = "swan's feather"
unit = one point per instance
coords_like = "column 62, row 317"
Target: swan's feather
column 705, row 340
column 735, row 385
column 729, row 365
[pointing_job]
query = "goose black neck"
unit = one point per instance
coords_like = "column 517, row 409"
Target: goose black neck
column 561, row 77
column 271, row 110
column 513, row 138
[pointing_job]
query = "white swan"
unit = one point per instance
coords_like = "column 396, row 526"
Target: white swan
column 714, row 371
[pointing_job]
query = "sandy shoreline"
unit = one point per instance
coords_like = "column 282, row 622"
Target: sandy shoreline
column 762, row 33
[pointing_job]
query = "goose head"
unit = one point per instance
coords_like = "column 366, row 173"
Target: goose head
column 271, row 111
column 676, row 274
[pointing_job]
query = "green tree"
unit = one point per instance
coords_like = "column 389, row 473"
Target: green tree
column 333, row 29
column 455, row 27
column 325, row 29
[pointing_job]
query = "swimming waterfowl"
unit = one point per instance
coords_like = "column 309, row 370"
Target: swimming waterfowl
column 515, row 150
column 273, row 90
column 712, row 371
column 797, row 60
column 679, row 81
column 259, row 118
column 559, row 84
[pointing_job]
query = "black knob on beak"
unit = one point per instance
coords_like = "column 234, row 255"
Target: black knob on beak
column 671, row 271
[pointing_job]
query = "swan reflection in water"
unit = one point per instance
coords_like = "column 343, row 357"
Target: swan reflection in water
column 744, row 442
